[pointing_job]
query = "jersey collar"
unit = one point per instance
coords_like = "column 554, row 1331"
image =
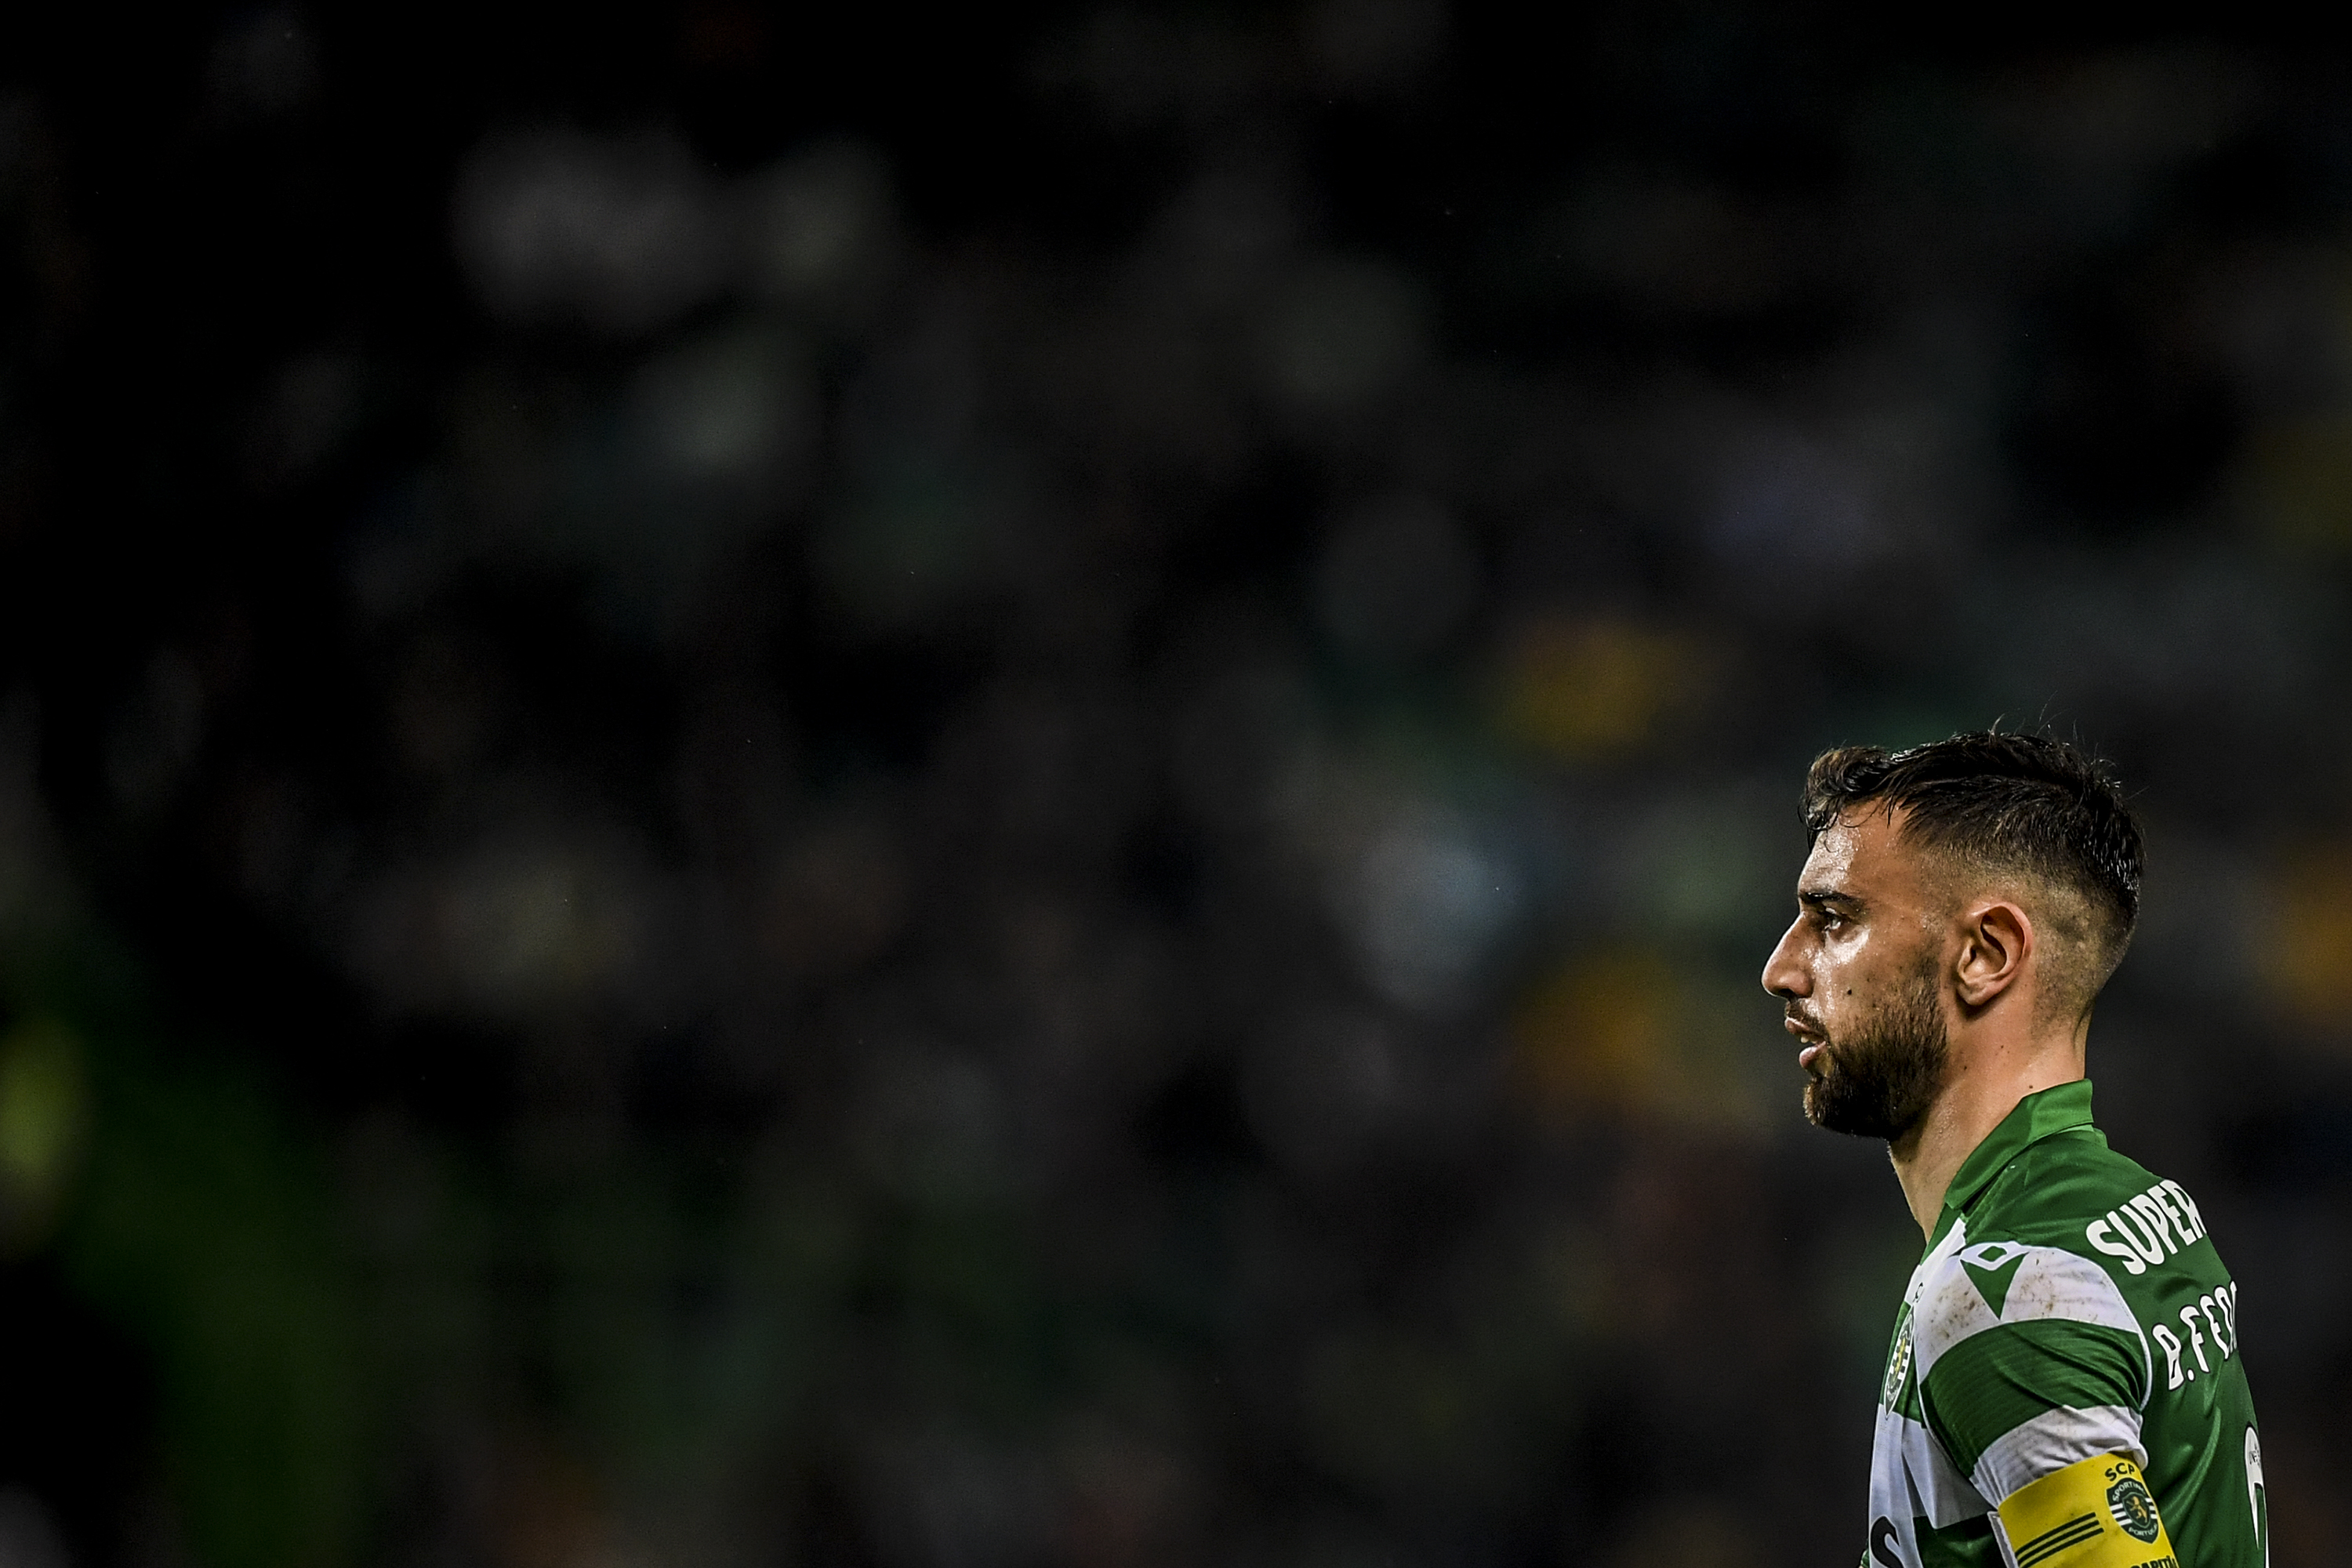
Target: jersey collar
column 2037, row 1116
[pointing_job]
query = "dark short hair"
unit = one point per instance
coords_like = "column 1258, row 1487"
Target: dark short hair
column 2003, row 803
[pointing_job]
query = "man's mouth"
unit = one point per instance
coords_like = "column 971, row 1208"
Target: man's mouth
column 1810, row 1035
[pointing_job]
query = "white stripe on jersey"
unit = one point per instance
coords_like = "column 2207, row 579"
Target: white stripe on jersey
column 2049, row 1282
column 1911, row 1477
column 2051, row 1441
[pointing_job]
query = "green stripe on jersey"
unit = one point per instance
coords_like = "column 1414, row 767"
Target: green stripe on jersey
column 1991, row 1382
column 1967, row 1544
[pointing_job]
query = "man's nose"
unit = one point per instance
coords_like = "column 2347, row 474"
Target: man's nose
column 1783, row 976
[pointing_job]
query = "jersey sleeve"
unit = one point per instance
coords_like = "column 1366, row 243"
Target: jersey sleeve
column 2029, row 1362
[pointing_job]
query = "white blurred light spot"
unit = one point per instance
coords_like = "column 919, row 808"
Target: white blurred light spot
column 561, row 227
column 534, row 926
column 1427, row 904
column 1797, row 518
column 725, row 412
column 29, row 1537
column 821, row 222
column 521, row 927
column 1426, row 890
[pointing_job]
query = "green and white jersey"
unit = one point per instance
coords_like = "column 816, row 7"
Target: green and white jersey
column 2065, row 1389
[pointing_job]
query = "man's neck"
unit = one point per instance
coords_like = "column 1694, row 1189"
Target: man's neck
column 1974, row 1101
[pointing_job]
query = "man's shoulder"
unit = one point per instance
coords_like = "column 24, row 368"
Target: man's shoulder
column 2028, row 1249
column 2054, row 1186
column 2072, row 1191
column 2086, row 1231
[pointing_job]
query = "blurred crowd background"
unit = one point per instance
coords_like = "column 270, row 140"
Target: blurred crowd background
column 891, row 790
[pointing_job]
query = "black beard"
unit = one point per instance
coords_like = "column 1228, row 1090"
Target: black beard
column 1880, row 1082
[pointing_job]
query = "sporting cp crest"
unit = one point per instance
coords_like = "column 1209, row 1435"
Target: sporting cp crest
column 1898, row 1364
column 2133, row 1509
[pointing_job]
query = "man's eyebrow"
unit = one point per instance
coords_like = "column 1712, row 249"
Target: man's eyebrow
column 1827, row 898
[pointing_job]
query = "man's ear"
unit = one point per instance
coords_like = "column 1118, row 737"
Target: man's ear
column 1996, row 939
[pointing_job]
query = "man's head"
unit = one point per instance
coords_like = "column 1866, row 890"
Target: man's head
column 1986, row 877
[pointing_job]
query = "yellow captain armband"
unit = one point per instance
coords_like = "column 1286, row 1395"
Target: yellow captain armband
column 2094, row 1513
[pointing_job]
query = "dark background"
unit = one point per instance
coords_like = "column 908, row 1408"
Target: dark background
column 976, row 790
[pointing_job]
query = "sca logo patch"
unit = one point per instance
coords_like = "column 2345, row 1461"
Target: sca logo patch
column 2133, row 1509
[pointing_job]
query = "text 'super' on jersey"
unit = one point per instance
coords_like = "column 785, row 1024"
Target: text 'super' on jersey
column 2065, row 1388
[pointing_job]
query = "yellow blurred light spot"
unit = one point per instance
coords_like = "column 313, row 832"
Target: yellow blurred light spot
column 1595, row 1031
column 1584, row 689
column 2300, row 476
column 43, row 1110
column 2307, row 956
column 1623, row 1032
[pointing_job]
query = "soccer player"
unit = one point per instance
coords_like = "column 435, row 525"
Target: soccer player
column 2065, row 1387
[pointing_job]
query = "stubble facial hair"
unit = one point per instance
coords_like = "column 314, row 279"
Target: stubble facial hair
column 1883, row 1076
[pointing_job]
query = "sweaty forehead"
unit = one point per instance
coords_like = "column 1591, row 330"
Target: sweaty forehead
column 1861, row 854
